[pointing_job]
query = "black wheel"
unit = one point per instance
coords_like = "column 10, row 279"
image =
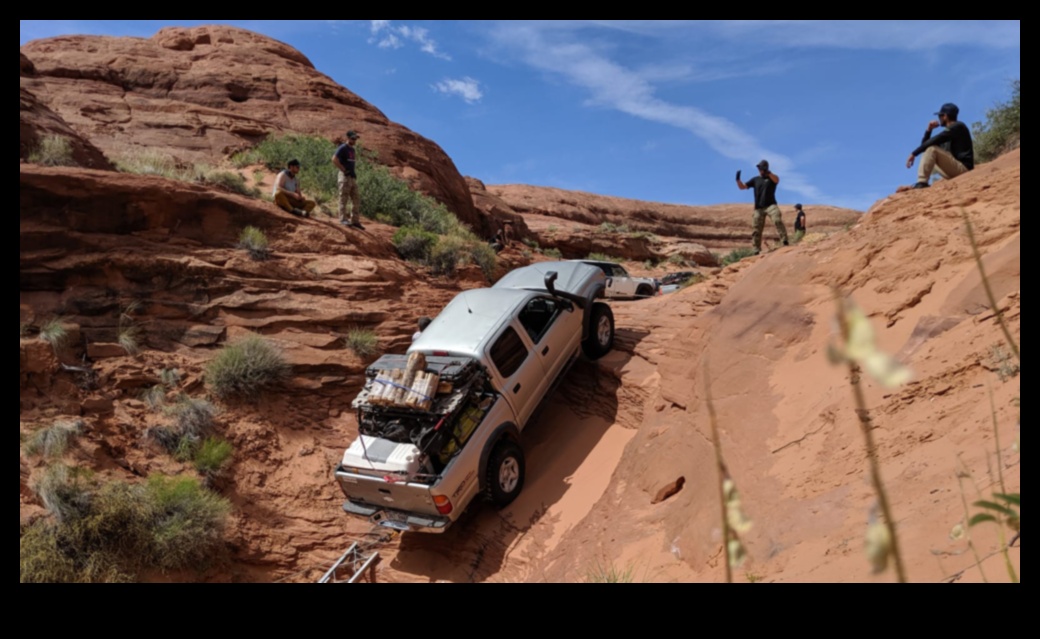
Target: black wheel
column 644, row 290
column 505, row 473
column 601, row 332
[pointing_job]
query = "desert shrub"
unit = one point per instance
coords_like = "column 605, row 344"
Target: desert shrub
column 212, row 455
column 601, row 573
column 129, row 339
column 1002, row 129
column 122, row 528
column 482, row 255
column 1002, row 361
column 150, row 162
column 192, row 416
column 227, row 180
column 736, row 255
column 154, row 396
column 190, row 420
column 553, row 253
column 23, row 329
column 254, row 242
column 64, row 491
column 676, row 259
column 610, row 227
column 413, row 243
column 53, row 332
column 52, row 150
column 170, row 377
column 603, row 257
column 245, row 367
column 447, row 255
column 362, row 341
column 53, row 440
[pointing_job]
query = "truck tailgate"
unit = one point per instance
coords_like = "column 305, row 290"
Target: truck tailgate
column 378, row 492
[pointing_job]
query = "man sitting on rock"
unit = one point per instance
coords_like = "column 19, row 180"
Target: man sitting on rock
column 287, row 194
column 951, row 153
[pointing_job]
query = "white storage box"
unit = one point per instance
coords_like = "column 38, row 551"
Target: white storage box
column 372, row 455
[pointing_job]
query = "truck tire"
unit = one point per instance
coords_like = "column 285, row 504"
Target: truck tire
column 644, row 290
column 505, row 473
column 601, row 332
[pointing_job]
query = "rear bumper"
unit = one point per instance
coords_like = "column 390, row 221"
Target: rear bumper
column 398, row 519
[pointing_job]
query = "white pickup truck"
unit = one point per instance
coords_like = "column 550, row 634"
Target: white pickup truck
column 432, row 440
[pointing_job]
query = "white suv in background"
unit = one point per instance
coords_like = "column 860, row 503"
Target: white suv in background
column 621, row 285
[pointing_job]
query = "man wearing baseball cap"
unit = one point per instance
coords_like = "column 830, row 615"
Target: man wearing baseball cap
column 950, row 153
column 764, row 185
column 345, row 159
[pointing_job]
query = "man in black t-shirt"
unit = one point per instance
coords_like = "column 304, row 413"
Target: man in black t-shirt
column 951, row 153
column 764, row 185
column 345, row 159
column 799, row 221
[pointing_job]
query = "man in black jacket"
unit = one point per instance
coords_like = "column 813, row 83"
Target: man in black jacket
column 950, row 153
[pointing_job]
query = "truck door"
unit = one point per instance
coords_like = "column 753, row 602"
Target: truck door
column 523, row 378
column 554, row 327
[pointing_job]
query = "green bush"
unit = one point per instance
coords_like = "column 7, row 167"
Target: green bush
column 317, row 174
column 414, row 244
column 603, row 257
column 610, row 227
column 255, row 243
column 121, row 529
column 553, row 253
column 1002, row 130
column 53, row 440
column 52, row 150
column 246, row 367
column 383, row 197
column 212, row 456
column 677, row 259
column 736, row 255
column 362, row 341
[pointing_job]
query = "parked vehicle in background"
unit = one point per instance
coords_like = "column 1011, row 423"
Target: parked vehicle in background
column 440, row 425
column 621, row 285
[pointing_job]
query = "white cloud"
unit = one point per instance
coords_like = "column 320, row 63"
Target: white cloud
column 388, row 36
column 466, row 88
column 614, row 86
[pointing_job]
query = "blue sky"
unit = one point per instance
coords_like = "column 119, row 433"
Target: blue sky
column 656, row 110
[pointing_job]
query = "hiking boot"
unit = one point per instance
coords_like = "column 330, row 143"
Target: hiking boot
column 299, row 212
column 357, row 225
column 920, row 185
column 786, row 243
column 756, row 252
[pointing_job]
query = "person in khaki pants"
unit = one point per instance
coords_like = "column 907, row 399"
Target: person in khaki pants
column 345, row 159
column 950, row 153
column 764, row 186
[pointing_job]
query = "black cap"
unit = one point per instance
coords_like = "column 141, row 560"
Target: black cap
column 764, row 164
column 353, row 135
column 949, row 109
column 798, row 206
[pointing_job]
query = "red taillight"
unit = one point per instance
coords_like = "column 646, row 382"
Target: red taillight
column 441, row 353
column 443, row 504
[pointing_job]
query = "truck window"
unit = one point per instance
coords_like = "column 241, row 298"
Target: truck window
column 508, row 352
column 537, row 316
